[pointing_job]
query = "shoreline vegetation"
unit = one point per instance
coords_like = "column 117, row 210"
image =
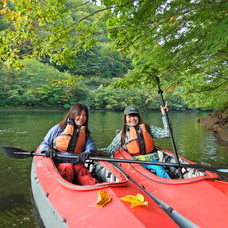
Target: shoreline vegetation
column 40, row 86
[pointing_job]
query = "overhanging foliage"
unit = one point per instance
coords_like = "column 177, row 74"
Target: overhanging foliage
column 184, row 43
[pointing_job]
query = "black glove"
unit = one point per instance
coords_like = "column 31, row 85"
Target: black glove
column 83, row 156
column 50, row 153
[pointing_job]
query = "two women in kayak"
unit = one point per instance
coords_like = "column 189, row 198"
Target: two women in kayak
column 71, row 135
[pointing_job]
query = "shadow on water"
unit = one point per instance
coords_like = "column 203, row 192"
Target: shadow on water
column 12, row 201
column 14, row 211
column 26, row 130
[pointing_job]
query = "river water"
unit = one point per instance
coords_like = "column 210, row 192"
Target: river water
column 26, row 130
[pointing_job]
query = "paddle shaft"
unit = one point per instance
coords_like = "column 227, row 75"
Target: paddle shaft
column 169, row 127
column 170, row 164
column 59, row 156
column 20, row 153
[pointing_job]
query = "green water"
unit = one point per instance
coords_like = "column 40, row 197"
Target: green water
column 26, row 130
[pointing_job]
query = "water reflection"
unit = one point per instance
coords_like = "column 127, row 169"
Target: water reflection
column 27, row 129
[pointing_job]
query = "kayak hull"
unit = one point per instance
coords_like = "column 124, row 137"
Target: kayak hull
column 63, row 204
column 49, row 216
column 203, row 199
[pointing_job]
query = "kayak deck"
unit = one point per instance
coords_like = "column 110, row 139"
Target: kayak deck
column 201, row 196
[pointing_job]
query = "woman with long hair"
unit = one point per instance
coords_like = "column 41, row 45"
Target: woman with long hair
column 72, row 135
column 136, row 137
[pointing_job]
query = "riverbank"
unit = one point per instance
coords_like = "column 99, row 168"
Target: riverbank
column 216, row 122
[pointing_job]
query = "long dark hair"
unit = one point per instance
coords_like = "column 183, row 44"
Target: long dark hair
column 74, row 111
column 124, row 128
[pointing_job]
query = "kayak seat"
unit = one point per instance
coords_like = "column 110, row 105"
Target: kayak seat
column 172, row 171
column 101, row 173
column 94, row 170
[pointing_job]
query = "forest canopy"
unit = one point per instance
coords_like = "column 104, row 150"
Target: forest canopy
column 184, row 43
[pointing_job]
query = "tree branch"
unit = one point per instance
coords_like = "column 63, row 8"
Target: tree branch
column 96, row 12
column 207, row 89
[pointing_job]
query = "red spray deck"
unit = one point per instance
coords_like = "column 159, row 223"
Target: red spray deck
column 201, row 199
column 62, row 204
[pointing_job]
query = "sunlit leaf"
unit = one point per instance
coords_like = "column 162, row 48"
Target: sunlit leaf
column 135, row 200
column 103, row 198
column 3, row 11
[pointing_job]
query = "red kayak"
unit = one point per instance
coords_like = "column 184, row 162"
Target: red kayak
column 201, row 197
column 63, row 204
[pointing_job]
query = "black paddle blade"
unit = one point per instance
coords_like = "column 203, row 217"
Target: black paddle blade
column 16, row 152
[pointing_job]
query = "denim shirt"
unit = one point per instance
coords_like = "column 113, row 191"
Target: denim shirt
column 55, row 131
column 156, row 132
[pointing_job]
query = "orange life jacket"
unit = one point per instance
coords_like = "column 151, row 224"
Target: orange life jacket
column 133, row 146
column 71, row 140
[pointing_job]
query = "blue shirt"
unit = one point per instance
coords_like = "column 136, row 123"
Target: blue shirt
column 55, row 131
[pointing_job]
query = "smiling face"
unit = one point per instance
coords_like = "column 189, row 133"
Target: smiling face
column 132, row 120
column 80, row 118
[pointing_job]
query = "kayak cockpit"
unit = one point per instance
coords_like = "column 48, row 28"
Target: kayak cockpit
column 167, row 157
column 107, row 174
column 189, row 174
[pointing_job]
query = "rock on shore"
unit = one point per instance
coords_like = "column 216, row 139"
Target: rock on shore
column 218, row 123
